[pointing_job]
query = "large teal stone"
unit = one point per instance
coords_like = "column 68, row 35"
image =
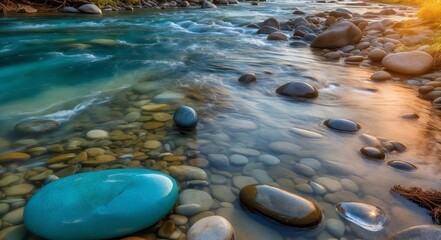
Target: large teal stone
column 100, row 205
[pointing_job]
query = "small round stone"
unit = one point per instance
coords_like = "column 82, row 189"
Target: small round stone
column 269, row 159
column 247, row 78
column 213, row 228
column 238, row 159
column 373, row 152
column 381, row 76
column 185, row 118
column 342, row 124
column 152, row 144
column 298, row 89
column 97, row 134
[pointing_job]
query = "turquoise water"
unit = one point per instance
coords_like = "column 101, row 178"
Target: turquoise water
column 76, row 67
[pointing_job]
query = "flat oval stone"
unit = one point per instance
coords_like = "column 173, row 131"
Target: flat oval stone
column 432, row 232
column 281, row 206
column 367, row 216
column 185, row 118
column 298, row 89
column 100, row 205
column 36, row 127
column 402, row 165
column 342, row 124
column 212, row 228
column 372, row 152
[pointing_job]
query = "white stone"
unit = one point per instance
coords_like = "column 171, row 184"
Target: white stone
column 211, row 228
column 90, row 8
column 306, row 133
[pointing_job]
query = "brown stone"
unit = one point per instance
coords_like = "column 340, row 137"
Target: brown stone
column 281, row 206
column 61, row 158
column 14, row 156
column 152, row 125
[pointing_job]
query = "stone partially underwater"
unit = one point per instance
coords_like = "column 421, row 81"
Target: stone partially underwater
column 100, row 205
column 281, row 206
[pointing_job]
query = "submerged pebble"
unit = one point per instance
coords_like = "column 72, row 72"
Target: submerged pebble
column 298, row 89
column 211, row 228
column 281, row 206
column 429, row 231
column 185, row 118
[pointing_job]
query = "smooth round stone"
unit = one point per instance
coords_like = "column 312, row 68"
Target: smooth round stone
column 342, row 124
column 166, row 97
column 317, row 188
column 152, row 144
column 223, row 193
column 132, row 117
column 335, row 227
column 367, row 216
column 238, row 159
column 285, row 147
column 349, row 185
column 298, row 89
column 161, row 117
column 246, row 151
column 211, row 228
column 97, row 134
column 14, row 156
column 269, row 159
column 218, row 160
column 373, row 152
column 330, row 184
column 247, row 78
column 412, row 63
column 19, row 189
column 185, row 118
column 281, row 206
column 14, row 217
column 217, row 179
column 429, row 232
column 182, row 173
column 36, row 127
column 242, row 181
column 100, row 205
column 193, row 196
column 381, row 76
column 90, row 9
column 311, row 162
column 402, row 165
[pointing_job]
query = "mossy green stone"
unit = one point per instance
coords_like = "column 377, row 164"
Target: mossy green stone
column 100, row 205
column 281, row 206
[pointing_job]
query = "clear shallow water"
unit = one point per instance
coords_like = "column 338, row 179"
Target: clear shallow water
column 81, row 70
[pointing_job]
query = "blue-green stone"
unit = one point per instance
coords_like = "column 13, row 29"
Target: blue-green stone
column 100, row 205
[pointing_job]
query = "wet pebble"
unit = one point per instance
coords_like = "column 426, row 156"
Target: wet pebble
column 298, row 89
column 373, row 153
column 335, row 227
column 402, row 165
column 19, row 189
column 342, row 124
column 213, row 228
column 187, row 173
column 281, row 206
column 36, row 127
column 185, row 118
column 311, row 162
column 198, row 197
column 14, row 217
column 428, row 231
column 14, row 156
column 247, row 78
column 330, row 184
column 223, row 193
column 97, row 134
column 242, row 181
column 269, row 159
column 237, row 159
column 218, row 160
column 381, row 76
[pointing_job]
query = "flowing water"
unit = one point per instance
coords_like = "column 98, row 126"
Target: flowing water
column 86, row 71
